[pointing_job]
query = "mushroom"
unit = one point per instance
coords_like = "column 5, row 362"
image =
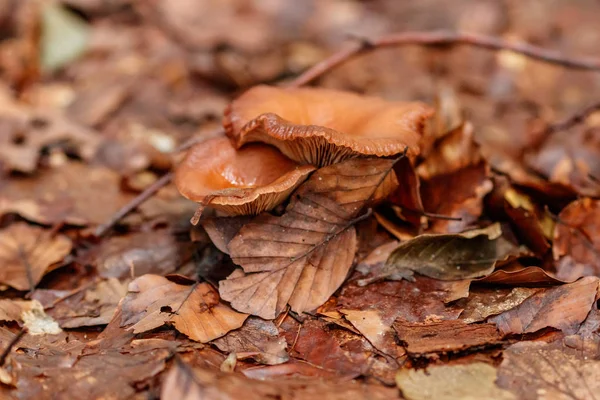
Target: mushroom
column 323, row 126
column 238, row 182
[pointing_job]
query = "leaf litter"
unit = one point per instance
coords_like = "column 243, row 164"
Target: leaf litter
column 489, row 221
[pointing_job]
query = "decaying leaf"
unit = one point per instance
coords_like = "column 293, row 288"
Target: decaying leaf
column 376, row 329
column 466, row 255
column 194, row 310
column 484, row 302
column 256, row 339
column 577, row 240
column 29, row 314
column 184, row 383
column 90, row 305
column 448, row 382
column 538, row 370
column 520, row 275
column 27, row 253
column 416, row 301
column 302, row 257
column 421, row 339
column 563, row 307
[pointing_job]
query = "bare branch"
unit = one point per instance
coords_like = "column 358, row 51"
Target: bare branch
column 448, row 38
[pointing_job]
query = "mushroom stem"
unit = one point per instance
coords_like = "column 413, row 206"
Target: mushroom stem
column 448, row 38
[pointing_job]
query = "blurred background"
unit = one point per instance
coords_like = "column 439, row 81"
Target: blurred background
column 157, row 72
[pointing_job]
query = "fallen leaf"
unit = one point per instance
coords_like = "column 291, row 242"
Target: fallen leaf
column 377, row 331
column 458, row 195
column 466, row 255
column 27, row 253
column 156, row 252
column 55, row 196
column 563, row 307
column 194, row 310
column 449, row 382
column 577, row 240
column 424, row 338
column 538, row 370
column 484, row 302
column 186, row 383
column 522, row 276
column 586, row 342
column 302, row 257
column 415, row 301
column 256, row 339
column 88, row 306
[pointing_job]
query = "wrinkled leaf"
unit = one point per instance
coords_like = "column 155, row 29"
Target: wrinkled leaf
column 27, row 252
column 302, row 257
column 194, row 310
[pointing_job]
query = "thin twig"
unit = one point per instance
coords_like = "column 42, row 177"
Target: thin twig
column 12, row 344
column 571, row 121
column 135, row 203
column 448, row 38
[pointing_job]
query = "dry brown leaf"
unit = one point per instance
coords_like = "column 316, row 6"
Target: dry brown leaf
column 194, row 310
column 87, row 306
column 517, row 274
column 457, row 195
column 449, row 382
column 73, row 193
column 302, row 257
column 29, row 314
column 184, row 383
column 423, row 339
column 484, row 302
column 577, row 240
column 155, row 252
column 27, row 252
column 378, row 331
column 563, row 307
column 538, row 370
column 257, row 339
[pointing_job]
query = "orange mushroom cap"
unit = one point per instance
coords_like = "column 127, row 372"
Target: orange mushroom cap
column 323, row 126
column 238, row 182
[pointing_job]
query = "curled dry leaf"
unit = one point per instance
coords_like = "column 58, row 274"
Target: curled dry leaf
column 194, row 310
column 30, row 315
column 466, row 255
column 449, row 382
column 27, row 253
column 577, row 240
column 251, row 180
column 422, row 339
column 314, row 125
column 534, row 370
column 516, row 274
column 257, row 339
column 302, row 257
column 563, row 307
column 186, row 383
